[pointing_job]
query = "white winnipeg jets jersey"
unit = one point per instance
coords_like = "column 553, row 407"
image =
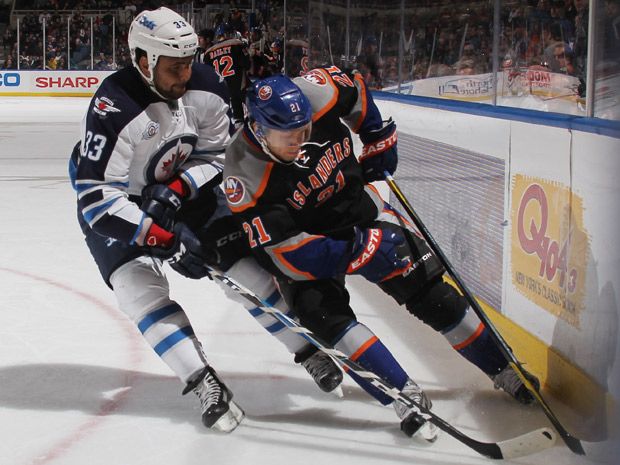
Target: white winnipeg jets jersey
column 132, row 138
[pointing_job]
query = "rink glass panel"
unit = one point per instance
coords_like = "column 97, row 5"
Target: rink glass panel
column 537, row 60
column 504, row 53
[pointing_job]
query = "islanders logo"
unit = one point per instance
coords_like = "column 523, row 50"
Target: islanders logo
column 264, row 93
column 315, row 77
column 234, row 190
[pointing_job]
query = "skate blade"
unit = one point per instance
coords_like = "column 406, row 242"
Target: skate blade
column 230, row 420
column 338, row 392
column 428, row 432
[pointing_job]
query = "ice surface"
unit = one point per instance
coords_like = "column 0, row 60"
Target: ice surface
column 78, row 385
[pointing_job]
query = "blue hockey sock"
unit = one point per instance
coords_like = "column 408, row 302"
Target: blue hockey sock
column 470, row 338
column 364, row 347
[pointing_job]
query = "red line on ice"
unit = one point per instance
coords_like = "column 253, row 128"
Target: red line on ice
column 108, row 406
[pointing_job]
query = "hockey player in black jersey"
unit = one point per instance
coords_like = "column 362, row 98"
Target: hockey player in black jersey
column 147, row 178
column 311, row 217
column 230, row 58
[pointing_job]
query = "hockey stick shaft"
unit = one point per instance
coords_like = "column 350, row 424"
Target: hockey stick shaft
column 572, row 442
column 525, row 444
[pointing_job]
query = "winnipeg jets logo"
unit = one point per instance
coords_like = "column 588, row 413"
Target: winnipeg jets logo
column 167, row 158
column 147, row 23
column 176, row 158
column 151, row 130
column 233, row 187
column 264, row 93
column 104, row 105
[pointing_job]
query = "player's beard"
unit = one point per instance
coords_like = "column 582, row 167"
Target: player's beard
column 175, row 91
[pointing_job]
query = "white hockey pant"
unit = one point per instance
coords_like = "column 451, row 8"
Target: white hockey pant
column 143, row 294
column 248, row 273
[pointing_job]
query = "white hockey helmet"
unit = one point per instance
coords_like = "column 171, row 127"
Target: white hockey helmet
column 160, row 32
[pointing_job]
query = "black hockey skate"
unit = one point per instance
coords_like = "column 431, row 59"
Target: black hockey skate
column 218, row 410
column 321, row 367
column 508, row 380
column 412, row 423
column 323, row 370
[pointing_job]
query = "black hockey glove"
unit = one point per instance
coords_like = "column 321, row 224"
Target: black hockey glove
column 224, row 243
column 161, row 203
column 379, row 153
column 185, row 253
column 375, row 255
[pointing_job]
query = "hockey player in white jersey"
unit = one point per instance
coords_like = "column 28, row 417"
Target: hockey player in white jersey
column 148, row 152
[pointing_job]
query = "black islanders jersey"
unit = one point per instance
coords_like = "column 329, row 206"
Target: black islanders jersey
column 288, row 209
column 231, row 61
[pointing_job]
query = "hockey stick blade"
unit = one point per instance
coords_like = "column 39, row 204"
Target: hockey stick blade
column 526, row 444
column 571, row 442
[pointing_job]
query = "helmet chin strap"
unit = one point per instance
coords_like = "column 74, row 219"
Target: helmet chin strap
column 260, row 137
column 149, row 80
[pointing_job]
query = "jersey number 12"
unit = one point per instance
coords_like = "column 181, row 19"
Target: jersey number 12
column 224, row 66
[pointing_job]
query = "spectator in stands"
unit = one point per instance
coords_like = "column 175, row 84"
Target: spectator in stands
column 8, row 40
column 237, row 21
column 465, row 66
column 611, row 32
column 275, row 58
column 61, row 62
column 371, row 62
column 580, row 44
column 9, row 63
column 205, row 41
column 101, row 62
column 564, row 57
column 258, row 50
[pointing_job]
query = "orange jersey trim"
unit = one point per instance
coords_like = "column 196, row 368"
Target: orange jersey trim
column 259, row 192
column 358, row 78
column 397, row 215
column 471, row 338
column 374, row 189
column 329, row 105
column 279, row 253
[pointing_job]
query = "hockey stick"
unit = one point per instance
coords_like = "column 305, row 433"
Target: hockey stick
column 525, row 444
column 572, row 442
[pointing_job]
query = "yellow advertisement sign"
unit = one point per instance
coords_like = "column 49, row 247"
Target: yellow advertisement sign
column 549, row 246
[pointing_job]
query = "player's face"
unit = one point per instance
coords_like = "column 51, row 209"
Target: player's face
column 286, row 145
column 172, row 75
